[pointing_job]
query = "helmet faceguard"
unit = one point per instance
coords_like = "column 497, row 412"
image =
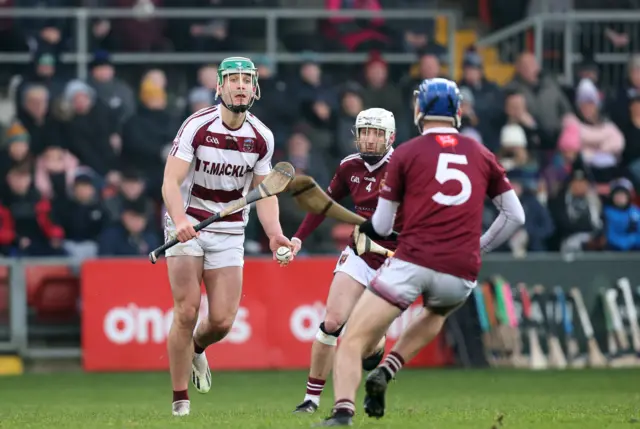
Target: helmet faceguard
column 374, row 133
column 238, row 86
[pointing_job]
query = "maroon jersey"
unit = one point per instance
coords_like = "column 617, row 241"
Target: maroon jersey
column 440, row 180
column 361, row 181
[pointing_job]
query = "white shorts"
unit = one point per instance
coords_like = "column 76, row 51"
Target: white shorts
column 400, row 283
column 218, row 249
column 355, row 267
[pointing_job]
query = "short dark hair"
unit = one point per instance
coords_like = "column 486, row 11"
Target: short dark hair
column 137, row 206
column 22, row 167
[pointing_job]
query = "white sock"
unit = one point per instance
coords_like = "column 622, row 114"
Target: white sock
column 313, row 398
column 314, row 390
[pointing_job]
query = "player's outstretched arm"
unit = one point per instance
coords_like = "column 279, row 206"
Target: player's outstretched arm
column 310, row 222
column 509, row 220
column 337, row 190
column 269, row 216
column 175, row 172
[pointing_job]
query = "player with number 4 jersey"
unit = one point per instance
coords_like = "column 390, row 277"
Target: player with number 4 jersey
column 439, row 180
column 359, row 175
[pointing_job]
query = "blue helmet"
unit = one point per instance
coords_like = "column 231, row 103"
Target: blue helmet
column 437, row 100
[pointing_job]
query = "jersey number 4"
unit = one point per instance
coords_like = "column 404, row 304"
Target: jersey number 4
column 446, row 171
column 368, row 188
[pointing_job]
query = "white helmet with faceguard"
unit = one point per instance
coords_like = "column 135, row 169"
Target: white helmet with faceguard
column 238, row 84
column 375, row 132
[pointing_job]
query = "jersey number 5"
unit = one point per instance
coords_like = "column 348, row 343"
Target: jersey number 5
column 445, row 173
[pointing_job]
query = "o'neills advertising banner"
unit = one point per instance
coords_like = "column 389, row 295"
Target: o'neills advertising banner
column 127, row 312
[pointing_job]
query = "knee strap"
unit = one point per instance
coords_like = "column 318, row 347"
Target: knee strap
column 328, row 338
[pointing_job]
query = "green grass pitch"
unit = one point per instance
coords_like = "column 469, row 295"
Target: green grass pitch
column 445, row 399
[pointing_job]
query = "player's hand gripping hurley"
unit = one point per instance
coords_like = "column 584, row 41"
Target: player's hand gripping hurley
column 276, row 182
column 364, row 244
column 311, row 198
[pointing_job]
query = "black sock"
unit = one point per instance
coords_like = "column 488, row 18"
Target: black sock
column 196, row 348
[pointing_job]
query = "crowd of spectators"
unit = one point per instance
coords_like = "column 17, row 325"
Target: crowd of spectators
column 82, row 161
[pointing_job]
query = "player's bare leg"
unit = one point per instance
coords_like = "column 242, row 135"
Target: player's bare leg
column 185, row 278
column 370, row 319
column 224, row 290
column 419, row 333
column 343, row 295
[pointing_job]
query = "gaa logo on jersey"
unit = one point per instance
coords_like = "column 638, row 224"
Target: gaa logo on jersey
column 247, row 145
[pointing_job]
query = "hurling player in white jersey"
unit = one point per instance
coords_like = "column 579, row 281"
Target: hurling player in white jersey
column 218, row 155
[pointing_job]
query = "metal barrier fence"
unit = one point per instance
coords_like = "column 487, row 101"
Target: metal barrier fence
column 561, row 41
column 272, row 18
column 589, row 272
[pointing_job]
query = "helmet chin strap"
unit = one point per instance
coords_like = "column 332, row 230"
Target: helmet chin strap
column 240, row 108
column 373, row 159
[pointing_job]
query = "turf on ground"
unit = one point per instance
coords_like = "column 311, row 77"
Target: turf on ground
column 451, row 399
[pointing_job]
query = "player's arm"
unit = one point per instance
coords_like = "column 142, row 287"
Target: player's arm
column 511, row 214
column 384, row 217
column 175, row 171
column 268, row 208
column 268, row 211
column 337, row 190
column 381, row 223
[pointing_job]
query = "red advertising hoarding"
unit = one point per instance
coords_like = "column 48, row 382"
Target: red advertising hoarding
column 127, row 312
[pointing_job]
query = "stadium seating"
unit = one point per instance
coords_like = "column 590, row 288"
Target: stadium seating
column 53, row 293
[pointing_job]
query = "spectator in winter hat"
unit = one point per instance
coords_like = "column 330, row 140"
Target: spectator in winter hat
column 576, row 212
column 601, row 142
column 379, row 91
column 43, row 73
column 15, row 148
column 33, row 114
column 486, row 94
column 80, row 95
column 148, row 135
column 113, row 92
column 152, row 94
column 622, row 218
column 92, row 130
column 513, row 147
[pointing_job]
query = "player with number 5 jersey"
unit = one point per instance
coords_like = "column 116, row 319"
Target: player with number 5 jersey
column 360, row 176
column 439, row 180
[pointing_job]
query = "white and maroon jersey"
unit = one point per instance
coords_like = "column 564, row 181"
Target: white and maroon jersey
column 223, row 162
